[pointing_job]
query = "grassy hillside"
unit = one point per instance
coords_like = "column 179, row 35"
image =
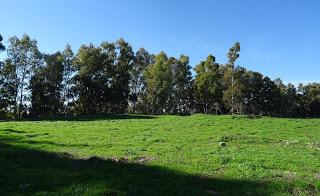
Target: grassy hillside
column 150, row 155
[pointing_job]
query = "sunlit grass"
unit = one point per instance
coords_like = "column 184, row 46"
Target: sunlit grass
column 282, row 155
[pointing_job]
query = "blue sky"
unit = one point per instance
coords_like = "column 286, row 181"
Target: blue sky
column 278, row 38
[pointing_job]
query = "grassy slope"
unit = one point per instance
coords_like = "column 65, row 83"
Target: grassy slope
column 163, row 154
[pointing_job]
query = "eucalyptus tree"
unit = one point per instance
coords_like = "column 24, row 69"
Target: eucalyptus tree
column 88, row 80
column 46, row 87
column 24, row 54
column 159, row 83
column 208, row 85
column 182, row 86
column 142, row 60
column 8, row 87
column 253, row 96
column 234, row 95
column 311, row 99
column 121, row 76
column 233, row 55
column 67, row 94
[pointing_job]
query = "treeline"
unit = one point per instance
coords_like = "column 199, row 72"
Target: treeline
column 112, row 78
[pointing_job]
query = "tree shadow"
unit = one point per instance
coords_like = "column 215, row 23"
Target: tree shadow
column 29, row 172
column 12, row 131
column 24, row 140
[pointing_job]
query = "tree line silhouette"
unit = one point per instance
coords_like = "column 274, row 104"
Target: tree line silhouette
column 112, row 78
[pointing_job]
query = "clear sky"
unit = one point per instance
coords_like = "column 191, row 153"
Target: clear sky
column 279, row 38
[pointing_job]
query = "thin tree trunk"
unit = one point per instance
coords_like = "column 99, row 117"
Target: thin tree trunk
column 21, row 97
column 232, row 91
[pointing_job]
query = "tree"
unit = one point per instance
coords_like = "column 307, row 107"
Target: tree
column 111, row 78
column 121, row 76
column 292, row 101
column 39, row 93
column 311, row 99
column 137, row 82
column 67, row 83
column 233, row 55
column 159, row 84
column 182, row 86
column 103, row 75
column 8, row 87
column 24, row 54
column 234, row 95
column 270, row 97
column 281, row 110
column 208, row 85
column 46, row 87
column 90, row 80
column 253, row 96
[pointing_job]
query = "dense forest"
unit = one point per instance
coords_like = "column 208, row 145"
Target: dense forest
column 112, row 78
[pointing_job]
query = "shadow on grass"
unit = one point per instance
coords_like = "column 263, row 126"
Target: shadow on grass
column 24, row 140
column 30, row 172
column 12, row 131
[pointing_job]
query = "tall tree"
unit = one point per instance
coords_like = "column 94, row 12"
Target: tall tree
column 8, row 87
column 137, row 82
column 46, row 87
column 121, row 76
column 260, row 94
column 109, row 52
column 253, row 98
column 25, row 55
column 68, row 73
column 270, row 97
column 208, row 85
column 282, row 102
column 159, row 84
column 292, row 102
column 233, row 55
column 5, row 82
column 182, row 86
column 89, row 79
column 39, row 93
column 311, row 99
column 233, row 95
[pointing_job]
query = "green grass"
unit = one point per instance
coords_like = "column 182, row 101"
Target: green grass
column 160, row 155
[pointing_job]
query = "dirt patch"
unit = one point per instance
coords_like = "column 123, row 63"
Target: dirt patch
column 144, row 159
column 317, row 176
column 289, row 175
column 121, row 159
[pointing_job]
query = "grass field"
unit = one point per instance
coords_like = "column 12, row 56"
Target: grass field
column 161, row 155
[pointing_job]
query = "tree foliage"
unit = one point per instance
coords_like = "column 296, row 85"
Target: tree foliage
column 159, row 84
column 26, row 57
column 46, row 87
column 112, row 78
column 208, row 85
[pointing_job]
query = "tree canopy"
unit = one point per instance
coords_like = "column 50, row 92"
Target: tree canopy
column 113, row 78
